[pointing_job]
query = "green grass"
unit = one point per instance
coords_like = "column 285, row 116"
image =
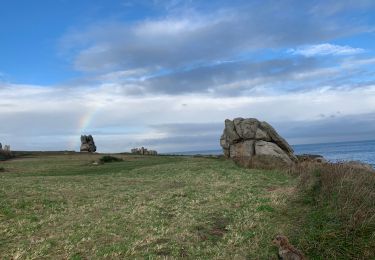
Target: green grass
column 339, row 222
column 63, row 206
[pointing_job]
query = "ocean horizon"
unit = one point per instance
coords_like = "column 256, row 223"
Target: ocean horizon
column 363, row 151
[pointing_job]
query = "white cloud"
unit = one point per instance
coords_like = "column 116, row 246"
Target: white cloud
column 325, row 49
column 36, row 118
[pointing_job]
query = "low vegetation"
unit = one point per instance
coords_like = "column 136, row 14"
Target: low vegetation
column 339, row 202
column 62, row 206
column 109, row 158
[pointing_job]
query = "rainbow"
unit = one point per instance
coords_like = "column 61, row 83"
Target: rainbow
column 83, row 124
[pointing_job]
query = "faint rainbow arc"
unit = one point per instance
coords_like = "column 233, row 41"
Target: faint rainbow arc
column 83, row 123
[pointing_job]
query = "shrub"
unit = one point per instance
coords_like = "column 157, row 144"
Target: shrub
column 108, row 159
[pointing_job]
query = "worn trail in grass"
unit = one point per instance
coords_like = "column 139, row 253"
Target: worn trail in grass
column 62, row 206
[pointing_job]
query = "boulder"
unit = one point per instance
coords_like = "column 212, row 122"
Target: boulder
column 242, row 149
column 87, row 144
column 245, row 139
column 271, row 149
column 275, row 137
column 230, row 132
column 246, row 128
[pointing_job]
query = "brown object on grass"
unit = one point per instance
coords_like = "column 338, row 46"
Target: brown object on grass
column 286, row 250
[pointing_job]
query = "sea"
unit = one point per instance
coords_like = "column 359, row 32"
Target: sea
column 363, row 151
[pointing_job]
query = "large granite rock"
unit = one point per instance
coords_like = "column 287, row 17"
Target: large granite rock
column 87, row 144
column 246, row 139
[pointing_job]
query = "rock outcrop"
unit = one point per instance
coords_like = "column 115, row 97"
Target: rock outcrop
column 311, row 158
column 87, row 144
column 245, row 139
column 6, row 148
column 5, row 152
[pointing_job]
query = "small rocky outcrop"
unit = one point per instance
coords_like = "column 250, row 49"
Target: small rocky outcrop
column 87, row 144
column 311, row 158
column 246, row 139
column 5, row 152
column 6, row 148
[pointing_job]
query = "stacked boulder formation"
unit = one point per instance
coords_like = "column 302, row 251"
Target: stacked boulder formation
column 143, row 151
column 87, row 144
column 6, row 148
column 245, row 140
column 5, row 152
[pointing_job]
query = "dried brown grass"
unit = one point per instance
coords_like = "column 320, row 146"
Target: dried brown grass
column 341, row 198
column 348, row 187
column 334, row 204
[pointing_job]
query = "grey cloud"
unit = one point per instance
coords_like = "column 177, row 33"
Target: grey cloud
column 250, row 77
column 252, row 74
column 46, row 123
column 186, row 137
column 195, row 137
column 333, row 128
column 180, row 40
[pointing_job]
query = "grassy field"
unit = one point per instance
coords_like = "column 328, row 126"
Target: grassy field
column 62, row 206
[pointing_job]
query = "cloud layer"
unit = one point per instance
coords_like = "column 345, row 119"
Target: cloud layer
column 191, row 36
column 173, row 123
column 169, row 80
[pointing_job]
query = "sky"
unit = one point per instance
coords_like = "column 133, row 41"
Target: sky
column 165, row 74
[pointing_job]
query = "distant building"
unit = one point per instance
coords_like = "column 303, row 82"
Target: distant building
column 143, row 151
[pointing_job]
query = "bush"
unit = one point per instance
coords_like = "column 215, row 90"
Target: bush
column 2, row 169
column 108, row 159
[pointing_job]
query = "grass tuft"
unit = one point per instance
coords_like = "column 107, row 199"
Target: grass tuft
column 109, row 159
